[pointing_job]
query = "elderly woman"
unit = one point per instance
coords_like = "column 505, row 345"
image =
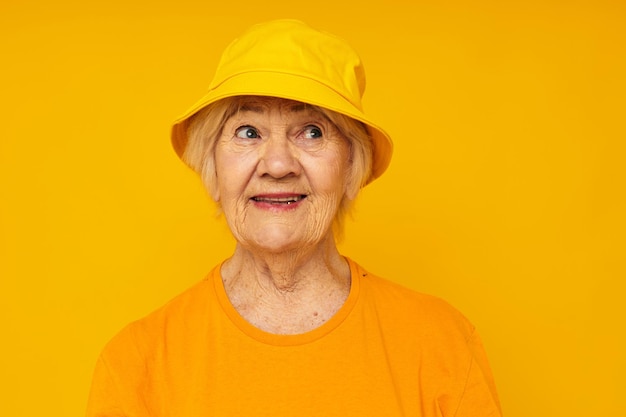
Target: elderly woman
column 287, row 326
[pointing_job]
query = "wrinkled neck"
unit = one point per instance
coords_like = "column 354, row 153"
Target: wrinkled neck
column 287, row 272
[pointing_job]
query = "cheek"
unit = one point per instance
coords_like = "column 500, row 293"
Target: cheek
column 332, row 177
column 229, row 177
column 329, row 183
column 324, row 213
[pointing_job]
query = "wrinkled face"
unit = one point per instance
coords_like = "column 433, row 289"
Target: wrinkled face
column 281, row 174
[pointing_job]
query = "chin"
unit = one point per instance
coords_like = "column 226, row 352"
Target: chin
column 280, row 240
column 278, row 245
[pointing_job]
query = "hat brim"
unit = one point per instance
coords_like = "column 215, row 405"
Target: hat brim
column 292, row 87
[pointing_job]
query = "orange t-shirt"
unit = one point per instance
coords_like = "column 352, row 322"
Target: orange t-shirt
column 389, row 351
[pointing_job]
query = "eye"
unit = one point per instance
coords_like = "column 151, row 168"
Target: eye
column 312, row 132
column 246, row 132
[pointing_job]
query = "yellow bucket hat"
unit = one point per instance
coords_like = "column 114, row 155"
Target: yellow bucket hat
column 288, row 59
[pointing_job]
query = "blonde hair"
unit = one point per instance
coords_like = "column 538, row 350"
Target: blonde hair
column 206, row 126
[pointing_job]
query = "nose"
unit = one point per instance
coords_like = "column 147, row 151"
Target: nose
column 278, row 158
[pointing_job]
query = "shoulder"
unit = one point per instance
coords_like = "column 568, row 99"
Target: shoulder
column 167, row 323
column 431, row 337
column 415, row 311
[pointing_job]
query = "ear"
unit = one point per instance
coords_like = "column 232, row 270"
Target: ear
column 351, row 186
column 214, row 190
column 209, row 179
column 352, row 190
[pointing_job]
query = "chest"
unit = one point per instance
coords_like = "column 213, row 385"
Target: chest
column 345, row 377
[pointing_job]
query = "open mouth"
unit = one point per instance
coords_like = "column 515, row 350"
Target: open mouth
column 279, row 200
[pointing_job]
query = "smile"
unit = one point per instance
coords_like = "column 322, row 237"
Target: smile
column 292, row 199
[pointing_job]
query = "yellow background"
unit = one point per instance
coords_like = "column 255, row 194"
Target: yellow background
column 505, row 196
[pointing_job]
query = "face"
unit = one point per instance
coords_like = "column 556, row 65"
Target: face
column 281, row 174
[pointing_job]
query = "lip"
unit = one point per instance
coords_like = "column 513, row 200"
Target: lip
column 278, row 201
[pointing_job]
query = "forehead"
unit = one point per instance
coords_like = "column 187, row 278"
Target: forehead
column 256, row 104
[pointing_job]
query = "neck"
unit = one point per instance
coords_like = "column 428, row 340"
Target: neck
column 288, row 271
column 288, row 292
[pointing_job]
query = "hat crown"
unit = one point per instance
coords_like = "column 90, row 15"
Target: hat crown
column 292, row 47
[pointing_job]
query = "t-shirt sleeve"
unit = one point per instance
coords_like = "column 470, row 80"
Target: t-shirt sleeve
column 103, row 400
column 119, row 377
column 478, row 397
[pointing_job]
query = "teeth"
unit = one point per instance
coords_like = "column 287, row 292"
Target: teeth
column 284, row 200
